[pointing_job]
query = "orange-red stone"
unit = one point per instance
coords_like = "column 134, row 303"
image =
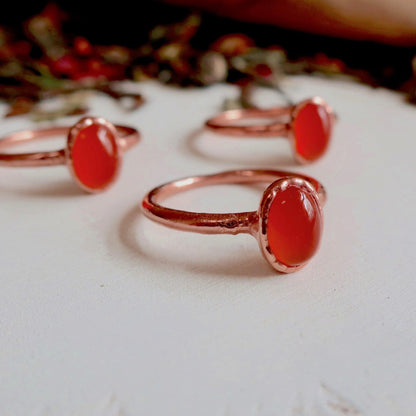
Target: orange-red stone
column 94, row 156
column 294, row 225
column 312, row 129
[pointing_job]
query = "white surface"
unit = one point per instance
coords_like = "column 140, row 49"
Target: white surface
column 104, row 313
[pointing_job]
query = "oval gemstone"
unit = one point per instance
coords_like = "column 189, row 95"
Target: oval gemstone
column 294, row 225
column 95, row 156
column 312, row 129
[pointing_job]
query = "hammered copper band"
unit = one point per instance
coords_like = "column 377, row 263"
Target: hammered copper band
column 127, row 138
column 212, row 223
column 223, row 122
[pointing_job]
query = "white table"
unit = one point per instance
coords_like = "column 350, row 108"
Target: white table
column 104, row 313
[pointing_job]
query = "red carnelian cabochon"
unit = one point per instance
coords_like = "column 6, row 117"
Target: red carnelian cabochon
column 294, row 225
column 312, row 129
column 94, row 156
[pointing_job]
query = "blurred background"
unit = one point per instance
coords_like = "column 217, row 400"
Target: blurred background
column 58, row 48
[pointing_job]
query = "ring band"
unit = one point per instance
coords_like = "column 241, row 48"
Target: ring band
column 308, row 125
column 93, row 152
column 288, row 224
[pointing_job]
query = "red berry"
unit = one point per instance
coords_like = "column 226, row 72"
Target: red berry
column 263, row 70
column 99, row 69
column 94, row 65
column 65, row 65
column 82, row 46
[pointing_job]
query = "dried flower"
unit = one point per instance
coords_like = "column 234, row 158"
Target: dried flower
column 69, row 63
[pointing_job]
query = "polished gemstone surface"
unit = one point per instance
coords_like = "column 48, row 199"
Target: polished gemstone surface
column 312, row 129
column 294, row 225
column 94, row 156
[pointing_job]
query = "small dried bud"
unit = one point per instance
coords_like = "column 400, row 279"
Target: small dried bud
column 138, row 74
column 165, row 76
column 232, row 45
column 82, row 46
column 263, row 70
column 184, row 31
column 212, row 68
column 46, row 35
column 158, row 32
column 260, row 62
column 169, row 52
column 11, row 69
column 181, row 68
column 329, row 64
column 115, row 54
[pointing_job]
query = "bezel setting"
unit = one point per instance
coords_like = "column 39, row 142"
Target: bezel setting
column 263, row 214
column 291, row 133
column 72, row 135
